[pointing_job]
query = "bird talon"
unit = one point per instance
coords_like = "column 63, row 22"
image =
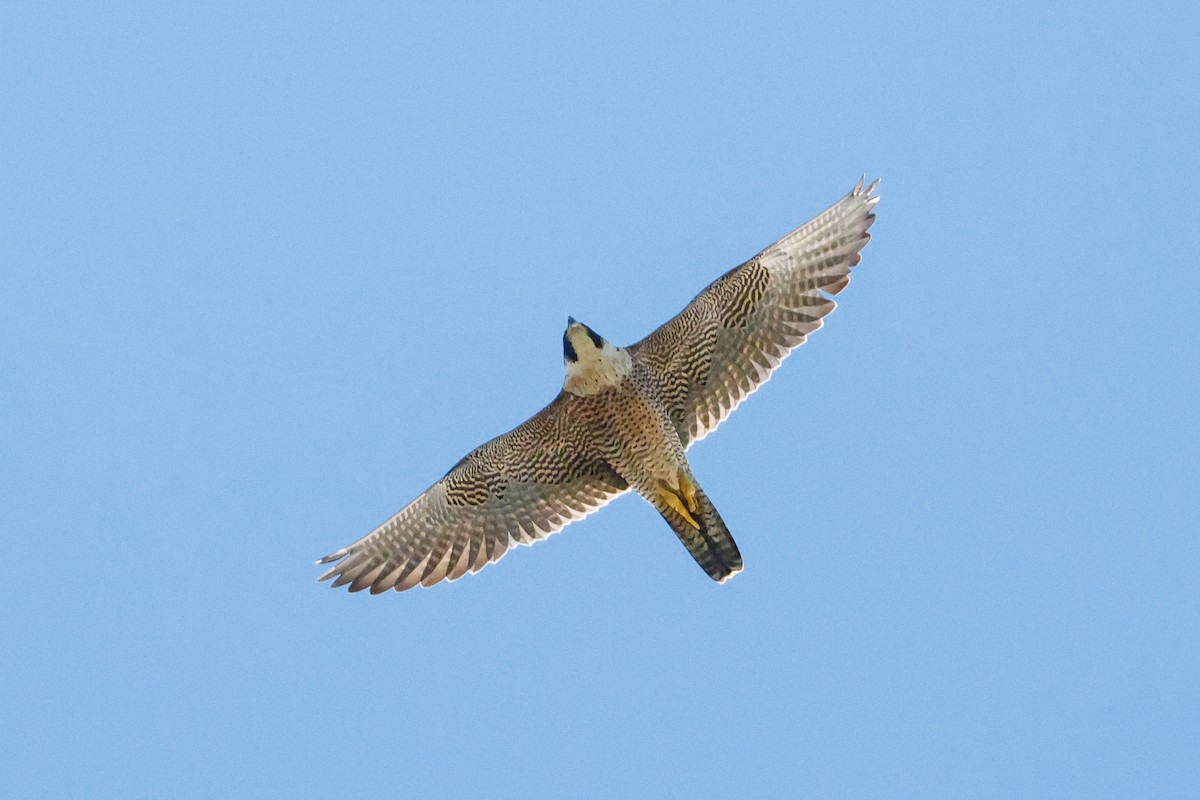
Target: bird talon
column 688, row 489
column 672, row 500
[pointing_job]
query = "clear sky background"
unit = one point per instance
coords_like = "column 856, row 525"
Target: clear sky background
column 267, row 271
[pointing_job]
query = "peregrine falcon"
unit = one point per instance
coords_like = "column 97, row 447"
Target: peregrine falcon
column 624, row 419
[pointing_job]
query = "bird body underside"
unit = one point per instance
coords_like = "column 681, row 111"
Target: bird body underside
column 623, row 421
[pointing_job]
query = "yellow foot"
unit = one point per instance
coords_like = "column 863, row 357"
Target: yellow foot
column 672, row 499
column 688, row 489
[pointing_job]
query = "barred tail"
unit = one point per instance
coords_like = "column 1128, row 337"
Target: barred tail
column 711, row 544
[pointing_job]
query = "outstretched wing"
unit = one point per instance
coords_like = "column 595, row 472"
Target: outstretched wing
column 516, row 489
column 727, row 342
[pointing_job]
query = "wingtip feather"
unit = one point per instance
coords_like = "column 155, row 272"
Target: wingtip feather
column 868, row 194
column 335, row 556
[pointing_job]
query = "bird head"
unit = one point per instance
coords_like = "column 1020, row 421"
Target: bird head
column 591, row 362
column 581, row 342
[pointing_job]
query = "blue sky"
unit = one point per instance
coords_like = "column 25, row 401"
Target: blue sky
column 267, row 272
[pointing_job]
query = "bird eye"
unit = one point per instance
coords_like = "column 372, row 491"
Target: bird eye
column 569, row 350
column 595, row 337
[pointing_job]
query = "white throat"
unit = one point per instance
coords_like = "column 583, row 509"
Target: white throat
column 597, row 370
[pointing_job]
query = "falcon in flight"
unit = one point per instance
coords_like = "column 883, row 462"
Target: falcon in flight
column 624, row 419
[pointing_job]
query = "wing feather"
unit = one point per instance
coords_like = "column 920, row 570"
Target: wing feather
column 734, row 334
column 516, row 489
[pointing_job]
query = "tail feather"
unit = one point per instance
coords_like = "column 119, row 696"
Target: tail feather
column 712, row 544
